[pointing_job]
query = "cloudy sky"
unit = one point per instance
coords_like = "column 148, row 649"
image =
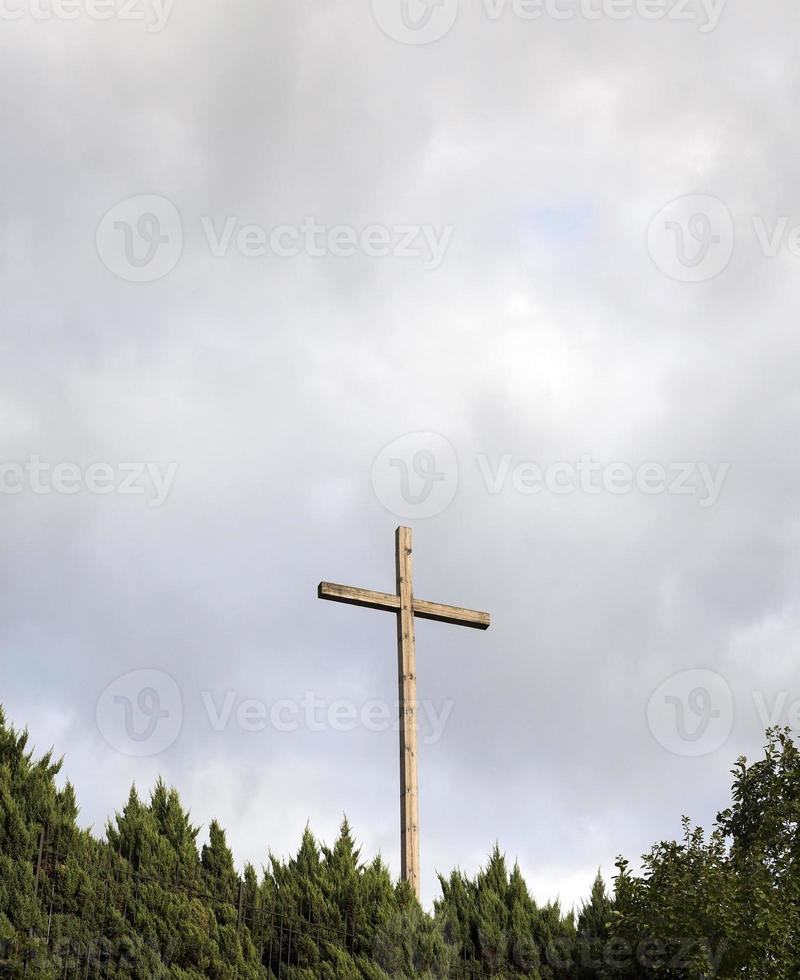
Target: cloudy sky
column 278, row 277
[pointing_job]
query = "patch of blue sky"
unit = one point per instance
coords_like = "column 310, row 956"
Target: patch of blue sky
column 566, row 222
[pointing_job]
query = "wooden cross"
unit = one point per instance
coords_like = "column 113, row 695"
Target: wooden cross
column 406, row 607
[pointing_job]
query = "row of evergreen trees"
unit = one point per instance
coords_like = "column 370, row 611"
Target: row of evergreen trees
column 146, row 902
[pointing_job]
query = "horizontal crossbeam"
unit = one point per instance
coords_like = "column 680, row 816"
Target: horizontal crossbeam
column 423, row 609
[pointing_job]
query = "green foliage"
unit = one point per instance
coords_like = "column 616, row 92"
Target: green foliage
column 726, row 905
column 494, row 925
column 145, row 902
column 593, row 932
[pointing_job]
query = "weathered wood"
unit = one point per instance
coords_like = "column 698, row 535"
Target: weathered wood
column 407, row 681
column 406, row 607
column 454, row 615
column 440, row 613
column 358, row 597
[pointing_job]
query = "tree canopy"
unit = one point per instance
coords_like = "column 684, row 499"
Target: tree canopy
column 145, row 901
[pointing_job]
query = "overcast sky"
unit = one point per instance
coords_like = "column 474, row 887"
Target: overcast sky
column 524, row 281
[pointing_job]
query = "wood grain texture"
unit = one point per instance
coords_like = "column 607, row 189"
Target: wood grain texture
column 437, row 611
column 407, row 684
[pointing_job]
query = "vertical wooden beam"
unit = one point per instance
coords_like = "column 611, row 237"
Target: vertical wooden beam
column 407, row 679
